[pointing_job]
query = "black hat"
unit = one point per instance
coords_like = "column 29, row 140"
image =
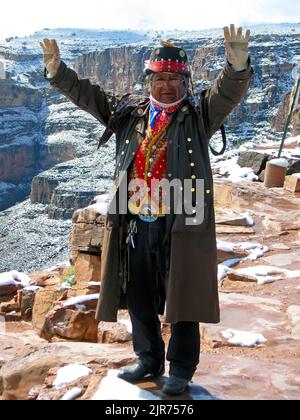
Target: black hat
column 168, row 58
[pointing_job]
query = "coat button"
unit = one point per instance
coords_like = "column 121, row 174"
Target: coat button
column 208, row 191
column 192, row 164
column 140, row 111
column 127, row 141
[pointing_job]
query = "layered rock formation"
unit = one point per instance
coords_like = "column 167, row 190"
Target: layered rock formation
column 41, row 129
column 34, row 135
column 273, row 57
column 72, row 185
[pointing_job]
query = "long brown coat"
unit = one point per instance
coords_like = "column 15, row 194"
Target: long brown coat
column 191, row 279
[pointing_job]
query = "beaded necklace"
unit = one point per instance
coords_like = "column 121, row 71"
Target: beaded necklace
column 153, row 139
column 151, row 160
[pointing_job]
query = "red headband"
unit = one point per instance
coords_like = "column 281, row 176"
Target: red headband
column 165, row 66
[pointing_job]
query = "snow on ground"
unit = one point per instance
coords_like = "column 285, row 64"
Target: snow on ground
column 283, row 163
column 62, row 265
column 100, row 199
column 33, row 288
column 267, row 274
column 14, row 278
column 79, row 300
column 72, row 394
column 94, row 283
column 113, row 388
column 227, row 166
column 239, row 174
column 243, row 338
column 225, row 246
column 100, row 208
column 224, row 268
column 66, row 285
column 233, row 171
column 262, row 274
column 255, row 249
column 69, row 374
column 4, row 186
column 250, row 221
column 222, row 271
column 127, row 324
column 101, row 203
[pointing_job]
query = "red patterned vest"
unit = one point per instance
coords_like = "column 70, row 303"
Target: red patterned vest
column 150, row 165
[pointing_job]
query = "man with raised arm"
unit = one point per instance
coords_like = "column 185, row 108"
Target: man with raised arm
column 159, row 251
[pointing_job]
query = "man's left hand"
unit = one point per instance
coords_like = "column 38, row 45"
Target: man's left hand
column 236, row 45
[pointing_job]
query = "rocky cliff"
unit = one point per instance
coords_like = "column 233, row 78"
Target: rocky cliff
column 48, row 146
column 39, row 128
column 273, row 52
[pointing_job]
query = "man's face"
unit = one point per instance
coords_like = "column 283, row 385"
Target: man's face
column 167, row 87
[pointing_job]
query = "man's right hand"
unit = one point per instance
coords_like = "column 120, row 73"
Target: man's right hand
column 51, row 56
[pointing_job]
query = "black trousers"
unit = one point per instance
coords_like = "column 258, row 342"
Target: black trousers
column 145, row 295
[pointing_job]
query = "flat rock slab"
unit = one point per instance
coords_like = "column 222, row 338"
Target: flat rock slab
column 254, row 196
column 280, row 247
column 240, row 230
column 232, row 219
column 251, row 314
column 113, row 388
column 14, row 337
column 226, row 376
column 286, row 291
column 231, row 377
column 32, row 368
column 288, row 260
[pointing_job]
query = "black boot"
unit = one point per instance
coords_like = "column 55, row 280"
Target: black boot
column 139, row 371
column 175, row 385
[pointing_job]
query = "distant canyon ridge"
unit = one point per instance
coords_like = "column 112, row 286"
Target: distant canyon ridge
column 48, row 146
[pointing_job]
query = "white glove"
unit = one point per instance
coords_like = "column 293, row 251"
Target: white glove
column 51, row 56
column 236, row 46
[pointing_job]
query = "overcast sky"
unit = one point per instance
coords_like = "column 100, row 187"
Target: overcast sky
column 19, row 17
